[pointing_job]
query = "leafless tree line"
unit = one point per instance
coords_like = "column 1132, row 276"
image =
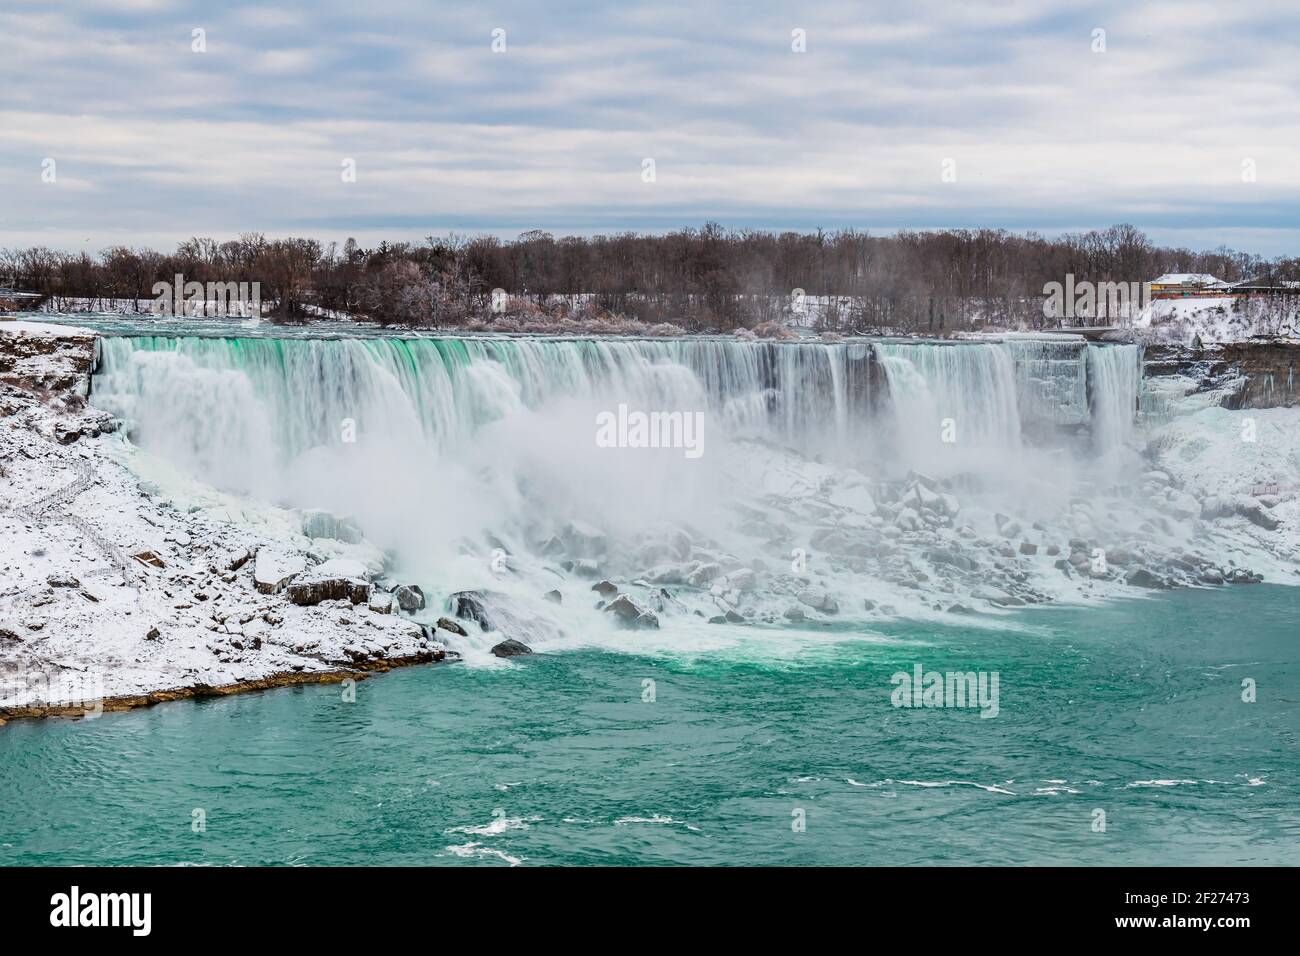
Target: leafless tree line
column 699, row 279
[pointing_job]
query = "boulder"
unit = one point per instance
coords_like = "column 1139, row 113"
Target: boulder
column 1120, row 557
column 335, row 580
column 469, row 606
column 605, row 589
column 308, row 592
column 909, row 519
column 510, row 648
column 1256, row 514
column 1229, row 505
column 66, row 434
column 845, row 541
column 447, row 624
column 231, row 560
column 702, row 573
column 409, row 597
column 275, row 568
column 922, row 498
column 951, row 558
column 667, row 574
column 555, row 597
column 630, row 614
column 1142, row 578
column 381, row 602
column 819, row 599
column 742, row 579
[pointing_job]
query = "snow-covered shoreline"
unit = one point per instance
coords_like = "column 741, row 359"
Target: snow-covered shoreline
column 113, row 596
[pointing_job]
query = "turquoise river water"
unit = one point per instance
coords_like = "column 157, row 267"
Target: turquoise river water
column 1133, row 710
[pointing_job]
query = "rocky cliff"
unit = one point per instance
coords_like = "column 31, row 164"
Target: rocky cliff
column 1248, row 374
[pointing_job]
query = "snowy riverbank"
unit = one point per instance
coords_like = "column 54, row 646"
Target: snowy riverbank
column 110, row 591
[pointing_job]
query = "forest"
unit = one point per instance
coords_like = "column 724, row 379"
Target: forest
column 697, row 279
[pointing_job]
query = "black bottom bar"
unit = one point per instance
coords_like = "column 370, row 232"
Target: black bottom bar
column 959, row 907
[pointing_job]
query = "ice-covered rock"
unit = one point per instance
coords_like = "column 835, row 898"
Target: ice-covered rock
column 818, row 599
column 230, row 560
column 950, row 557
column 315, row 586
column 275, row 567
column 702, row 573
column 742, row 579
column 630, row 614
column 409, row 597
column 1224, row 506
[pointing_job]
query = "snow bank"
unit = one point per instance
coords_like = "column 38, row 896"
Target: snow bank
column 46, row 329
column 1219, row 319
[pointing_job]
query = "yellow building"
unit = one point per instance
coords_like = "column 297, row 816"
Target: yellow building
column 1186, row 283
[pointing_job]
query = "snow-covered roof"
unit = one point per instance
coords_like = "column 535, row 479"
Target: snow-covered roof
column 1188, row 278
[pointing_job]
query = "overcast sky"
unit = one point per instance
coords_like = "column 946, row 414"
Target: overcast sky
column 152, row 141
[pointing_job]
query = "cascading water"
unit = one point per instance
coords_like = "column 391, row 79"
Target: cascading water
column 953, row 404
column 1114, row 381
column 452, row 387
column 438, row 446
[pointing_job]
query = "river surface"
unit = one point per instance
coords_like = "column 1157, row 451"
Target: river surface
column 736, row 756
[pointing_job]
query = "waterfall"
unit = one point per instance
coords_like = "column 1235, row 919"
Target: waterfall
column 955, row 394
column 1114, row 381
column 300, row 391
column 228, row 407
column 453, row 439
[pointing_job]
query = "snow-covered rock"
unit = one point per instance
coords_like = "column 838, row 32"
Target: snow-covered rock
column 275, row 567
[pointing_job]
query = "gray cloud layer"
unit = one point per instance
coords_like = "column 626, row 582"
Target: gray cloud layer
column 153, row 142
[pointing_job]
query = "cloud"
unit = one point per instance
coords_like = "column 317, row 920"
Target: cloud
column 164, row 142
